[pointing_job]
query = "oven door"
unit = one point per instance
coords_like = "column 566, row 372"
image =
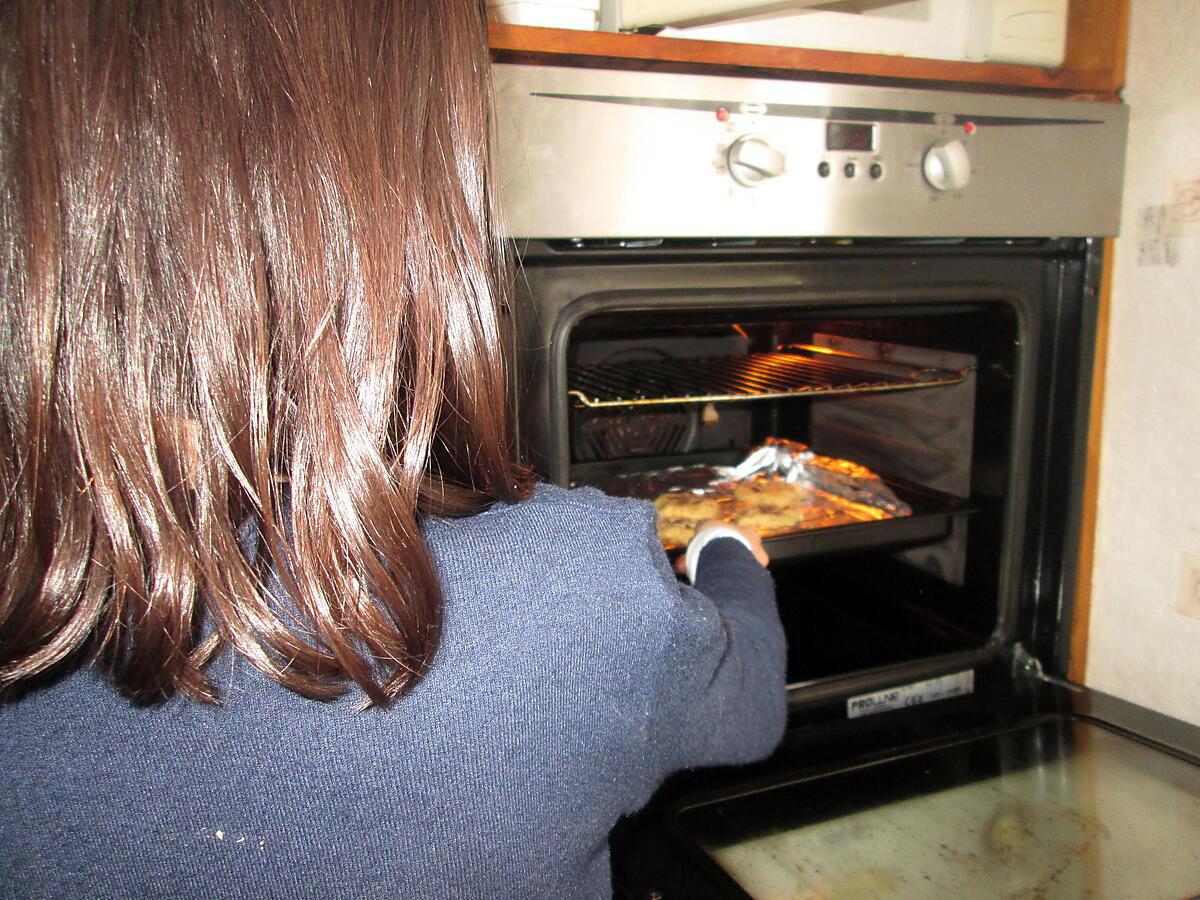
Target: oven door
column 1026, row 789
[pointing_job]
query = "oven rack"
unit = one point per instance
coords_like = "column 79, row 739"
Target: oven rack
column 795, row 371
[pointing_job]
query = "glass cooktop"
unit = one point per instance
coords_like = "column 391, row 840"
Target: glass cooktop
column 1060, row 809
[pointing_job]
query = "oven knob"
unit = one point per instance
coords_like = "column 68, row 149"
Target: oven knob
column 752, row 160
column 947, row 166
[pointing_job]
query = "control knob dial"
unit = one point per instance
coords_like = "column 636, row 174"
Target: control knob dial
column 947, row 167
column 752, row 160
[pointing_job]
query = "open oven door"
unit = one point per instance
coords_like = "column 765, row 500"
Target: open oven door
column 1034, row 789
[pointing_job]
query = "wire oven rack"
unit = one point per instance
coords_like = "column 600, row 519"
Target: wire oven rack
column 798, row 370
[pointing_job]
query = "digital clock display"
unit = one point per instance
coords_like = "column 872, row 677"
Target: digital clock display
column 849, row 136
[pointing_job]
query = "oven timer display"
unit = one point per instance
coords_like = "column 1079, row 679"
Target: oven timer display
column 849, row 136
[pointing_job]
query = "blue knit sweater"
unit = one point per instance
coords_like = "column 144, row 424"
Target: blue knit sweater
column 575, row 673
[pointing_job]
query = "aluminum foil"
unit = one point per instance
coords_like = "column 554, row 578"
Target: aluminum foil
column 794, row 462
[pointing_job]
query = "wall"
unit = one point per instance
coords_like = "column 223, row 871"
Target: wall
column 1144, row 644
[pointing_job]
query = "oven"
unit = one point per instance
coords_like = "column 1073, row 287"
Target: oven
column 906, row 281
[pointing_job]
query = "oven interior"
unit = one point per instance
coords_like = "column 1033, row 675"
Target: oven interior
column 922, row 394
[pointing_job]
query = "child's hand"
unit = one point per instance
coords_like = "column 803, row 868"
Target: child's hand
column 752, row 538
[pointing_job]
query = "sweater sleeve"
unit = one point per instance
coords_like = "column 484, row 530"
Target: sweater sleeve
column 720, row 693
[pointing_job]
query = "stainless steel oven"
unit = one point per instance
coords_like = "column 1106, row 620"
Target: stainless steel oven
column 903, row 279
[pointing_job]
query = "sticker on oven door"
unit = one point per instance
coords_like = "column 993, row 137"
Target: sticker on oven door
column 911, row 694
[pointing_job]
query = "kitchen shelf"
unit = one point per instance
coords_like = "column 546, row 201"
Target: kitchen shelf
column 1094, row 68
column 797, row 371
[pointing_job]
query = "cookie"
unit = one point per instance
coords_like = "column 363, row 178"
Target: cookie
column 676, row 532
column 769, row 493
column 692, row 507
column 765, row 519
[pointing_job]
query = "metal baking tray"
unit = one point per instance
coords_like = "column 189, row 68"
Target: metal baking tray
column 933, row 513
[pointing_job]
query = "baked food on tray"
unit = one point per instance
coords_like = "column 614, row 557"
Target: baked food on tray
column 771, row 493
column 772, row 505
column 822, row 492
column 694, row 507
column 680, row 513
column 765, row 519
column 676, row 532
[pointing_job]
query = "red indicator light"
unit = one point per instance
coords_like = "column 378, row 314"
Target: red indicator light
column 722, row 114
column 969, row 127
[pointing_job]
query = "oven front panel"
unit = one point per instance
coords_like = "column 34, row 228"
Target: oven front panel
column 866, row 606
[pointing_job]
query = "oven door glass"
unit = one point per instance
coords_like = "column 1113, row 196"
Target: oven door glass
column 1061, row 808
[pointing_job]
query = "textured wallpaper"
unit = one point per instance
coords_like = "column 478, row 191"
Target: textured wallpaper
column 1145, row 627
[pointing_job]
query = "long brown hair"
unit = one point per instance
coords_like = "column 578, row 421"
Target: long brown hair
column 250, row 272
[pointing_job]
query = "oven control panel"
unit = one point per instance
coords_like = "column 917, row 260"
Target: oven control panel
column 586, row 153
column 851, row 150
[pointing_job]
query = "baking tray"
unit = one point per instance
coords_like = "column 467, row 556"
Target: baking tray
column 933, row 514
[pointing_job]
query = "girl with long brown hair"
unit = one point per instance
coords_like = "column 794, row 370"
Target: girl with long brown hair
column 257, row 452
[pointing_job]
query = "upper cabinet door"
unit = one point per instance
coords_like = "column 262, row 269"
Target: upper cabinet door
column 1093, row 65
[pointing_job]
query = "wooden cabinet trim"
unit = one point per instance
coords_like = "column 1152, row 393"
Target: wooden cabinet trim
column 1082, row 610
